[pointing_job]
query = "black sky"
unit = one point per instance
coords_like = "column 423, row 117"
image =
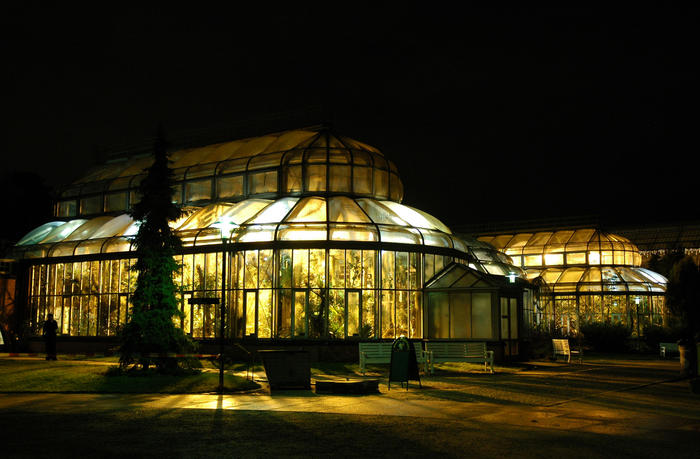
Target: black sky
column 489, row 113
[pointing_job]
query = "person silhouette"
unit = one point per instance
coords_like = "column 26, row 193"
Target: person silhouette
column 49, row 333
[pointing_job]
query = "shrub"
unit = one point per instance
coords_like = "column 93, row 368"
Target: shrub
column 655, row 334
column 605, row 336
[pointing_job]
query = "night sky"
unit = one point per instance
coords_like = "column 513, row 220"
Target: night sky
column 488, row 113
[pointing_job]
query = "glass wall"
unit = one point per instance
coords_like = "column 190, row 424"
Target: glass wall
column 460, row 314
column 568, row 312
column 285, row 293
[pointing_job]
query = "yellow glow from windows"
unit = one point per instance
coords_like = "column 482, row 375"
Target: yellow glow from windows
column 551, row 259
column 533, row 260
column 594, row 258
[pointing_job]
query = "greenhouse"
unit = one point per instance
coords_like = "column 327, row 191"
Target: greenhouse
column 317, row 243
column 587, row 275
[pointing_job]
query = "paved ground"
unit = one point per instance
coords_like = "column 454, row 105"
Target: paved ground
column 627, row 408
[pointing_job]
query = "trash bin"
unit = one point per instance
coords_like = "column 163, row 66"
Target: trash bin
column 287, row 369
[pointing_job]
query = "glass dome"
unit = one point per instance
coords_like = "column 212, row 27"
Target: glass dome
column 582, row 247
column 619, row 279
column 313, row 161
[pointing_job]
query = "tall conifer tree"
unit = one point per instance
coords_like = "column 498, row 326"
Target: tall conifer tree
column 151, row 328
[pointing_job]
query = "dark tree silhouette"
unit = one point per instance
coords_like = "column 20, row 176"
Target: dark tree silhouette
column 683, row 300
column 151, row 328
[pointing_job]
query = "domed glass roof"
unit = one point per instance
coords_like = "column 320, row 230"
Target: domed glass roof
column 288, row 219
column 312, row 161
column 566, row 248
column 608, row 279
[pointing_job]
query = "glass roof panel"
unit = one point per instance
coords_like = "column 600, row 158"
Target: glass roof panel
column 416, row 218
column 288, row 140
column 435, row 238
column 37, row 234
column 343, row 209
column 255, row 233
column 551, row 275
column 380, row 213
column 63, row 249
column 582, row 235
column 519, row 240
column 89, row 247
column 117, row 244
column 540, row 239
column 561, row 237
column 243, row 211
column 400, row 235
column 311, row 209
column 654, row 276
column 87, row 229
column 302, row 232
column 204, row 217
column 265, row 161
column 571, row 275
column 61, row 232
column 114, row 227
column 592, row 275
column 353, row 233
column 275, row 212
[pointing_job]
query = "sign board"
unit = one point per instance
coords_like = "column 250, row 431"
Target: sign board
column 404, row 365
column 203, row 301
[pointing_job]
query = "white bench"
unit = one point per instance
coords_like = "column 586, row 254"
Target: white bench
column 667, row 349
column 381, row 353
column 561, row 347
column 446, row 351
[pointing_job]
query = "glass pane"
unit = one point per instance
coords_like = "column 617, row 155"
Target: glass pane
column 311, row 209
column 354, row 268
column 336, row 314
column 265, row 313
column 339, row 179
column 460, row 315
column 402, row 301
column 353, row 308
column 300, row 314
column 115, row 202
column 369, row 261
column 438, row 315
column 198, row 190
column 292, row 179
column 262, row 182
column 342, row 209
column 369, row 312
column 388, row 330
column 250, row 310
column 336, row 268
column 388, row 269
column 230, row 187
column 481, row 316
column 301, row 268
column 315, row 177
column 362, row 180
column 91, row 205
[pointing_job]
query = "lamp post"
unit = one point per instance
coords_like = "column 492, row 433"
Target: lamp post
column 225, row 227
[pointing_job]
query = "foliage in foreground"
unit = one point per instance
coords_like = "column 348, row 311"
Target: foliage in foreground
column 151, row 328
column 605, row 336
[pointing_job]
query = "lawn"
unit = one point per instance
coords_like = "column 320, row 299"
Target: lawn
column 33, row 375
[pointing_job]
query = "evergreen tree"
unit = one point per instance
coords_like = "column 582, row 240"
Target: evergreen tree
column 151, row 328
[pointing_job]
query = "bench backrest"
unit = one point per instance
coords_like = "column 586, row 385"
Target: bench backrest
column 447, row 349
column 375, row 349
column 561, row 346
column 380, row 350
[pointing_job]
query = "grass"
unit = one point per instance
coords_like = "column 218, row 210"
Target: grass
column 90, row 376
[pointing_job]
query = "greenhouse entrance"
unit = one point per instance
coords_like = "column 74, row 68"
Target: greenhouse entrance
column 465, row 304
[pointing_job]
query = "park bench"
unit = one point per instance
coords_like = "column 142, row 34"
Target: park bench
column 446, row 351
column 561, row 347
column 666, row 350
column 381, row 353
